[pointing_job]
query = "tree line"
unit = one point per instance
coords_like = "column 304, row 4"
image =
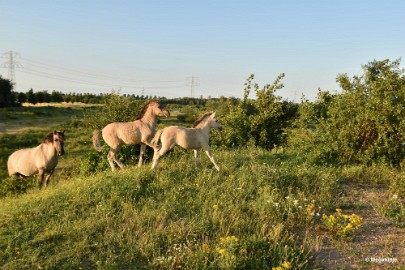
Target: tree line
column 10, row 98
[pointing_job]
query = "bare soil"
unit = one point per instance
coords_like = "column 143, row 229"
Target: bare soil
column 378, row 244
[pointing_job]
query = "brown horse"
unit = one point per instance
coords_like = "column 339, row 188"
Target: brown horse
column 188, row 138
column 140, row 131
column 42, row 159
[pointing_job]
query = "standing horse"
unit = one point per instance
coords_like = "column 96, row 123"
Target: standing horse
column 42, row 159
column 187, row 138
column 140, row 131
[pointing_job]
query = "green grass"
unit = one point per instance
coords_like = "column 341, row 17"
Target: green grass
column 174, row 216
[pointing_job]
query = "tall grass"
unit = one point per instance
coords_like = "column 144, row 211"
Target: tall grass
column 174, row 217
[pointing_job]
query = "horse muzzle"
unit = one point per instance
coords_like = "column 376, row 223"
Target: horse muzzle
column 166, row 112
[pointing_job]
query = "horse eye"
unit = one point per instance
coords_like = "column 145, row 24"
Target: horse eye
column 56, row 140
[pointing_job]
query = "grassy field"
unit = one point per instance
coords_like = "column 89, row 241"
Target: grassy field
column 263, row 210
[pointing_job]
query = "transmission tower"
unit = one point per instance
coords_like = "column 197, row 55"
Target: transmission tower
column 193, row 83
column 11, row 64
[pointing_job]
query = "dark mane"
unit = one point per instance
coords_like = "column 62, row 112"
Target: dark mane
column 199, row 120
column 49, row 137
column 143, row 111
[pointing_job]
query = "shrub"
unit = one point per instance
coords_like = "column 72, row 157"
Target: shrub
column 363, row 124
column 258, row 122
column 188, row 114
column 116, row 108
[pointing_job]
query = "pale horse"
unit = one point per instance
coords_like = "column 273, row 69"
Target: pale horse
column 140, row 131
column 195, row 138
column 42, row 159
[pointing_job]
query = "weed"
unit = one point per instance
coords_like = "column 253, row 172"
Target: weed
column 341, row 226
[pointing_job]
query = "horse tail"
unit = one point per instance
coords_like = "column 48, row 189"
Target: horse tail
column 96, row 140
column 155, row 139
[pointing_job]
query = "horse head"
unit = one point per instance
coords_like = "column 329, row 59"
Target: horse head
column 159, row 109
column 214, row 121
column 154, row 108
column 208, row 119
column 59, row 141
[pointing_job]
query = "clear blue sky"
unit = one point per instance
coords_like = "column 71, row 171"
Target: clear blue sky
column 97, row 46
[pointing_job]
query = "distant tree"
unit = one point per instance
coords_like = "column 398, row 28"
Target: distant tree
column 56, row 96
column 21, row 97
column 40, row 97
column 31, row 97
column 7, row 96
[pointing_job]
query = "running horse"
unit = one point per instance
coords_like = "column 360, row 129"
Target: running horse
column 188, row 138
column 42, row 159
column 140, row 131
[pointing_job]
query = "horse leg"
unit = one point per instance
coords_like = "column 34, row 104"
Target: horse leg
column 47, row 178
column 112, row 158
column 211, row 156
column 41, row 175
column 158, row 154
column 197, row 157
column 141, row 155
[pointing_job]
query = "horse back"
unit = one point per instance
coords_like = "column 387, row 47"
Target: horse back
column 114, row 134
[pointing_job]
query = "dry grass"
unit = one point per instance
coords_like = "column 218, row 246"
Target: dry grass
column 60, row 104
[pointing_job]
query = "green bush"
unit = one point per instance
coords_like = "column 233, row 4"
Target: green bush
column 257, row 122
column 115, row 108
column 363, row 124
column 189, row 114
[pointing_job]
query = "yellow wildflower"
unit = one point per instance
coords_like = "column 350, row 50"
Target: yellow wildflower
column 286, row 265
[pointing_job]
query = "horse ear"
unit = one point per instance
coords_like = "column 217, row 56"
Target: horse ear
column 214, row 114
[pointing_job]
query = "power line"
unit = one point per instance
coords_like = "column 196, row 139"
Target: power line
column 87, row 82
column 11, row 64
column 80, row 77
column 95, row 75
column 60, row 73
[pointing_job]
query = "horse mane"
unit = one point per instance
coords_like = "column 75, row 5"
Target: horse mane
column 201, row 119
column 49, row 137
column 145, row 108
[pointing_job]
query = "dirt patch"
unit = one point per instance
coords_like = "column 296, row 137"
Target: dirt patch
column 377, row 245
